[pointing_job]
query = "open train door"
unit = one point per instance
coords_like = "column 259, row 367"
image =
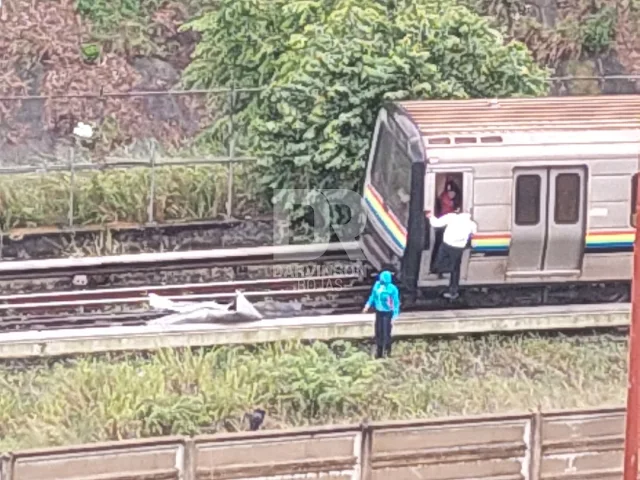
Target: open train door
column 435, row 179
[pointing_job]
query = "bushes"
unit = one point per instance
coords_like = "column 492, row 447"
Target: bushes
column 181, row 193
column 93, row 399
column 331, row 63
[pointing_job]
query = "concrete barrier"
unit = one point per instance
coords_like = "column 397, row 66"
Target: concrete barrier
column 357, row 326
column 535, row 446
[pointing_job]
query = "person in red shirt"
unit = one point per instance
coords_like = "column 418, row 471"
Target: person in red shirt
column 449, row 199
column 448, row 202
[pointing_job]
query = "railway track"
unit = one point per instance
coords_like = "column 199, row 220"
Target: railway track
column 292, row 281
column 200, row 266
column 129, row 306
column 274, row 298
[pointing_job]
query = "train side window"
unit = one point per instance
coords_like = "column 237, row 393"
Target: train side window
column 634, row 195
column 391, row 174
column 527, row 206
column 567, row 195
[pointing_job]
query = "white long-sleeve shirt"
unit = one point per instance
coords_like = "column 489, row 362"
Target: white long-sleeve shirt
column 459, row 227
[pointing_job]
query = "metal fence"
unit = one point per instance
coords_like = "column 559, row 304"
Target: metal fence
column 152, row 163
column 149, row 129
column 153, row 129
column 563, row 445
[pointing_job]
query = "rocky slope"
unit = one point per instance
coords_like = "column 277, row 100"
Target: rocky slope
column 60, row 47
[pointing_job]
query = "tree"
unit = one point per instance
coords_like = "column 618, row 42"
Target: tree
column 330, row 65
column 240, row 44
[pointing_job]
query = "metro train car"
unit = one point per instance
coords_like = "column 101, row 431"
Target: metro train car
column 549, row 181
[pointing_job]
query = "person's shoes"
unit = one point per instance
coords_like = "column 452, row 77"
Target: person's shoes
column 451, row 296
column 379, row 353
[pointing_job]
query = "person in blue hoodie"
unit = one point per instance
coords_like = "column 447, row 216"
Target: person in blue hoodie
column 385, row 299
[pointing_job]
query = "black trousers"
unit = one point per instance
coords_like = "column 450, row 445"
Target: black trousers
column 437, row 243
column 449, row 260
column 383, row 333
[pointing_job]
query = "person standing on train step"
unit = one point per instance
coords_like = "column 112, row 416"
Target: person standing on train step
column 458, row 230
column 447, row 202
column 385, row 299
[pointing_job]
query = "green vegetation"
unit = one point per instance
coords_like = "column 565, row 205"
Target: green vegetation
column 599, row 30
column 330, row 64
column 91, row 399
column 90, row 52
column 567, row 31
column 181, row 193
column 122, row 25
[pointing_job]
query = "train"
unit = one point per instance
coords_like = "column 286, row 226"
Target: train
column 550, row 182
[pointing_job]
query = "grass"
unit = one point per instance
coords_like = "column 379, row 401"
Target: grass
column 95, row 399
column 182, row 193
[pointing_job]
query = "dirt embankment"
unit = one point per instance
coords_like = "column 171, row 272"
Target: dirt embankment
column 576, row 38
column 33, row 244
column 59, row 47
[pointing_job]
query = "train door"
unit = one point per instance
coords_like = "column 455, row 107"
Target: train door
column 548, row 221
column 435, row 182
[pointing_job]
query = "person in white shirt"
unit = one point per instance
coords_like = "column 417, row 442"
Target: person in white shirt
column 459, row 228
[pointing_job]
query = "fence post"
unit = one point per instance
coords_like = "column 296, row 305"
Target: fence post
column 232, row 151
column 535, row 446
column 152, row 187
column 189, row 465
column 6, row 466
column 366, row 439
column 72, row 184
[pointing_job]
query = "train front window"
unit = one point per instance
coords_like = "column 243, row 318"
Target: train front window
column 391, row 174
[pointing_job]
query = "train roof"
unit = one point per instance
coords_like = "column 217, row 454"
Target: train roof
column 444, row 118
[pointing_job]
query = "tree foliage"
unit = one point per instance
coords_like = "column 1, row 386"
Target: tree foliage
column 330, row 64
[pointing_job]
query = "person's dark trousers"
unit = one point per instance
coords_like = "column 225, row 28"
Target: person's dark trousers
column 449, row 260
column 437, row 243
column 455, row 256
column 383, row 333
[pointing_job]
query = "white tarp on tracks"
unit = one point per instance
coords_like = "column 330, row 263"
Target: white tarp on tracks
column 240, row 310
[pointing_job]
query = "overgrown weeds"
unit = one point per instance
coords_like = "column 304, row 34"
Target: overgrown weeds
column 138, row 27
column 181, row 193
column 187, row 392
column 576, row 29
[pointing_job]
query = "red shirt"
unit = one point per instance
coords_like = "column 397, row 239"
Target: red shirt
column 446, row 204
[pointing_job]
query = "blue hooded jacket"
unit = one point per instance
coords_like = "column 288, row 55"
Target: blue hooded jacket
column 384, row 295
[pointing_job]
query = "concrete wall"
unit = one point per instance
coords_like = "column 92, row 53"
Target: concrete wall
column 565, row 445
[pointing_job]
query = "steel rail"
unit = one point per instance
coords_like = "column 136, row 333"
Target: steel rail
column 180, row 260
column 128, row 306
column 218, row 297
column 190, row 291
column 140, row 317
